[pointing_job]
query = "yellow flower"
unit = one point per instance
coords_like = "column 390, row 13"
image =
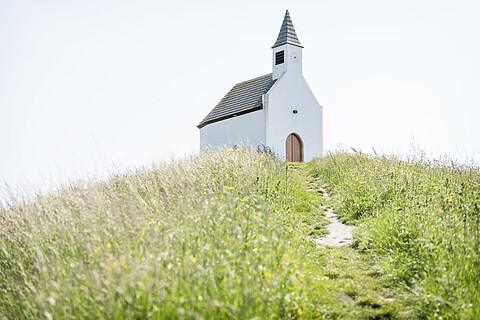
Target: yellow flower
column 109, row 245
column 114, row 264
column 149, row 222
column 194, row 259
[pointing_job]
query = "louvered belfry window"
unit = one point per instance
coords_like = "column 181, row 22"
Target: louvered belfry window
column 279, row 57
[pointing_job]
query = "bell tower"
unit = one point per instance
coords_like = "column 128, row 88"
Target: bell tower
column 287, row 50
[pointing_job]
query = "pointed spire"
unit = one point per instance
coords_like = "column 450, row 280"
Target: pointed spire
column 287, row 33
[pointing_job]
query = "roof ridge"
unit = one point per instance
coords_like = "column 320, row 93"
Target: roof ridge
column 268, row 74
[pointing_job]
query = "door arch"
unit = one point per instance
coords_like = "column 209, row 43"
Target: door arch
column 294, row 148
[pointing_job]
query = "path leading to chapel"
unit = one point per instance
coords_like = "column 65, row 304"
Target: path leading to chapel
column 339, row 234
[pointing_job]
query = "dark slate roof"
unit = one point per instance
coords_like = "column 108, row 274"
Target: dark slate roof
column 287, row 33
column 243, row 98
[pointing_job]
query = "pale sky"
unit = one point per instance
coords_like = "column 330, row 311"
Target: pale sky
column 88, row 87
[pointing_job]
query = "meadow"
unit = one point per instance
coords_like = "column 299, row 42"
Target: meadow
column 215, row 236
column 227, row 234
column 419, row 220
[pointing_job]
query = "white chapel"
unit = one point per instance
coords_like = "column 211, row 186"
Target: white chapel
column 277, row 110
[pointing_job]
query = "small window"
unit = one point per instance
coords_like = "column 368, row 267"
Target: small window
column 279, row 57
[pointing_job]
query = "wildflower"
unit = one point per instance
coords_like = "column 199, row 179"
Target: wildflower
column 188, row 251
column 194, row 259
column 114, row 264
column 109, row 245
column 149, row 222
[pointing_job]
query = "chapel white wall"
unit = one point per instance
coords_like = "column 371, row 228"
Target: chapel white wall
column 290, row 92
column 248, row 129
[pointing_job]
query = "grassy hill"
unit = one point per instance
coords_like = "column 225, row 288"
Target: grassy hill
column 228, row 235
column 419, row 220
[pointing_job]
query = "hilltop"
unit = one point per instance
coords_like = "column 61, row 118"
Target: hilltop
column 228, row 234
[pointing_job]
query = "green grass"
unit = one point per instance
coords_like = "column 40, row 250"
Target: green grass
column 419, row 219
column 228, row 235
column 220, row 235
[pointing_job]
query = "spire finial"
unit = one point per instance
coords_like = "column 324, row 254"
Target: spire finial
column 287, row 33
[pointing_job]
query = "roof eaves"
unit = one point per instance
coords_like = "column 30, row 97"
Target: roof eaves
column 204, row 123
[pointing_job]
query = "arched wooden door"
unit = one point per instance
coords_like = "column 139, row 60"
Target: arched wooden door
column 294, row 148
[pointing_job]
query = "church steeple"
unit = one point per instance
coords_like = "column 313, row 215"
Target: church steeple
column 287, row 50
column 287, row 33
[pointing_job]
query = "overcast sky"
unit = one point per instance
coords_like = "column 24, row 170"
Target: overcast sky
column 87, row 86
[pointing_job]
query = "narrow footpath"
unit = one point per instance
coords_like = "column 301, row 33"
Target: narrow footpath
column 356, row 284
column 339, row 234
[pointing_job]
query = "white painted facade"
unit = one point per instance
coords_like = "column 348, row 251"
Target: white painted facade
column 248, row 129
column 272, row 125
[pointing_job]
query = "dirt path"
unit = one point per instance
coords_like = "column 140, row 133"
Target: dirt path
column 339, row 234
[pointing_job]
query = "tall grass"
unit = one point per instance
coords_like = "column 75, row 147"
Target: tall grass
column 220, row 235
column 420, row 218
